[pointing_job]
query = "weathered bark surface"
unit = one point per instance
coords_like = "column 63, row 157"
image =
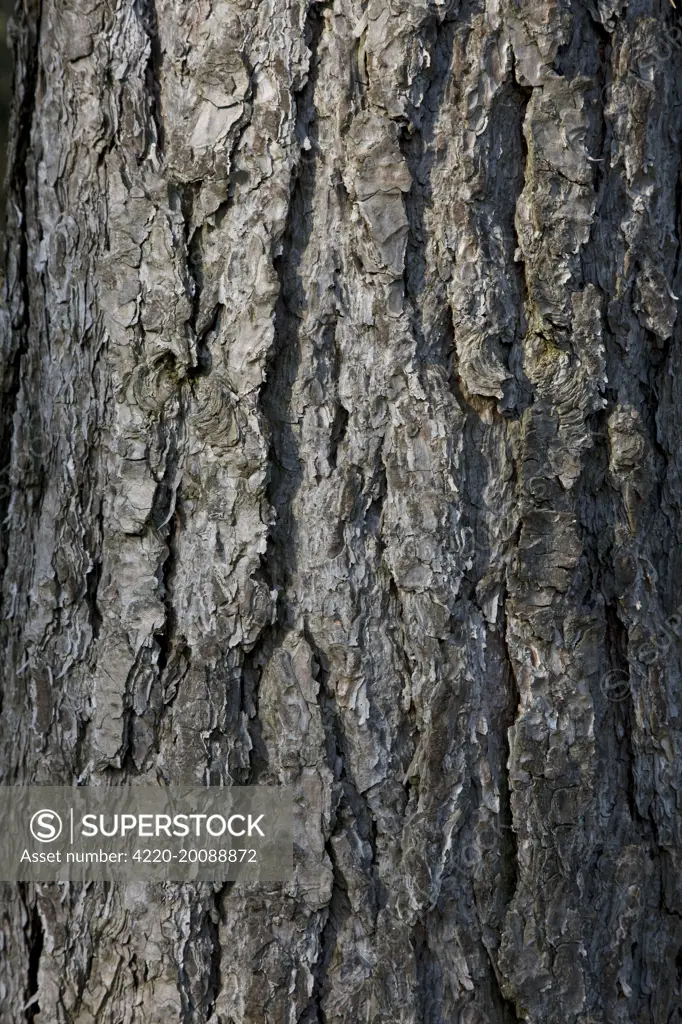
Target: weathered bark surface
column 341, row 376
column 5, row 104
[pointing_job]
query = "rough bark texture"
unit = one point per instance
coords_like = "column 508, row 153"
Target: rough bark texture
column 341, row 384
column 5, row 103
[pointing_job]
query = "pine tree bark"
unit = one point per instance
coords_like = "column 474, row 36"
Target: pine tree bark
column 341, row 356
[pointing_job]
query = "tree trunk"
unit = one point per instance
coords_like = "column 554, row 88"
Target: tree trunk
column 340, row 365
column 5, row 103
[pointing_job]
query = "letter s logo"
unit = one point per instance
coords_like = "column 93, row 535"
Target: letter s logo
column 46, row 826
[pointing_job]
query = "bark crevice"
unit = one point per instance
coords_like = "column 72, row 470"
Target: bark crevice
column 147, row 13
column 35, row 943
column 26, row 46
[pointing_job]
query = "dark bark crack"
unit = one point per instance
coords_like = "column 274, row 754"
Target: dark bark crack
column 510, row 881
column 35, row 942
column 416, row 146
column 146, row 12
column 164, row 638
column 26, row 44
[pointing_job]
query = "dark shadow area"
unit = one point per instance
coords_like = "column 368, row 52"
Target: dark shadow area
column 5, row 99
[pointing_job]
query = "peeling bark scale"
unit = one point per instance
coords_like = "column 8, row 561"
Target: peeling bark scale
column 340, row 361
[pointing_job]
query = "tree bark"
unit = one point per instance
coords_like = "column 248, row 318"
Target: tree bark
column 341, row 360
